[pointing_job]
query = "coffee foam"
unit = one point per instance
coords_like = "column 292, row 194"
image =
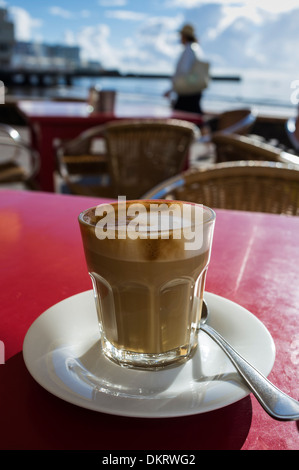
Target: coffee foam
column 147, row 230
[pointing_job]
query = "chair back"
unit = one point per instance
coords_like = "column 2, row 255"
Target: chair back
column 82, row 164
column 244, row 185
column 19, row 162
column 142, row 153
column 234, row 147
column 237, row 121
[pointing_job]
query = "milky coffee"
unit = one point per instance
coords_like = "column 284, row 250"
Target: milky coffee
column 148, row 288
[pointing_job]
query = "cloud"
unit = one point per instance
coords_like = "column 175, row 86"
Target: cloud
column 161, row 35
column 230, row 14
column 26, row 27
column 151, row 47
column 57, row 11
column 154, row 47
column 70, row 38
column 238, row 41
column 233, row 33
column 85, row 14
column 125, row 15
column 95, row 45
column 67, row 14
column 270, row 6
column 112, row 3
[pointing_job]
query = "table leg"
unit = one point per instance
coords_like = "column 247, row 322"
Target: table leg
column 42, row 139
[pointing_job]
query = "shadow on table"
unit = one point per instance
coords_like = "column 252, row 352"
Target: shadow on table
column 32, row 418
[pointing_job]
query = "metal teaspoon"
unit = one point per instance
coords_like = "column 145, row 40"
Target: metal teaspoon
column 275, row 402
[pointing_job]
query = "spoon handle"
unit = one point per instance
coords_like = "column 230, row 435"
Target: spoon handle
column 275, row 402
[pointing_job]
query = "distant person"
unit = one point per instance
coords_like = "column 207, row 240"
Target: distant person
column 191, row 52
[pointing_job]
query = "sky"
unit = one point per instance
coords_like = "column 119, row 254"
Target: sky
column 142, row 35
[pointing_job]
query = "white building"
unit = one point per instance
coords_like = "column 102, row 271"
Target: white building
column 7, row 38
column 45, row 56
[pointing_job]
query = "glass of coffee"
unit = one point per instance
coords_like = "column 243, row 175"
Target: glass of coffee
column 148, row 261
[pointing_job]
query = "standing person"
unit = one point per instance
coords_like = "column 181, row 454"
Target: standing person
column 191, row 52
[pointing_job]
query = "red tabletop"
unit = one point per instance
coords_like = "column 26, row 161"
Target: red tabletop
column 50, row 120
column 254, row 263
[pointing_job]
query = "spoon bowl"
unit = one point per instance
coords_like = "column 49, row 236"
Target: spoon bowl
column 275, row 402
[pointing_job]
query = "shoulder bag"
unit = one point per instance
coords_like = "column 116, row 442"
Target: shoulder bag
column 195, row 81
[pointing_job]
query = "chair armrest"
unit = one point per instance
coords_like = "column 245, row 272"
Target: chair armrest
column 18, row 143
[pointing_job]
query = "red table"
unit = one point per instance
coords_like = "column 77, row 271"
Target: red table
column 254, row 263
column 50, row 120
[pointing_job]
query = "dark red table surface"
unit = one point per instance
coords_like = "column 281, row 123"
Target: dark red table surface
column 64, row 120
column 255, row 262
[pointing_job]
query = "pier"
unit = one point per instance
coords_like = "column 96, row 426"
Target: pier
column 48, row 77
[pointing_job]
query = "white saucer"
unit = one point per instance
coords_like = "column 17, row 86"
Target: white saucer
column 62, row 352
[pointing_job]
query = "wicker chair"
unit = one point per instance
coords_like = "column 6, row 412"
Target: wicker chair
column 233, row 147
column 139, row 155
column 243, row 185
column 292, row 129
column 236, row 121
column 19, row 163
column 82, row 164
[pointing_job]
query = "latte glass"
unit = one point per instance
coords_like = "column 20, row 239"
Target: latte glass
column 148, row 262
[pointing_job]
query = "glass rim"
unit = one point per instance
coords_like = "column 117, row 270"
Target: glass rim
column 211, row 212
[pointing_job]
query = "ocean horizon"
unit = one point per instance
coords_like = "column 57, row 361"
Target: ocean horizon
column 268, row 93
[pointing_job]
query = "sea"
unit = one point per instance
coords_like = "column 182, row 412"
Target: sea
column 271, row 93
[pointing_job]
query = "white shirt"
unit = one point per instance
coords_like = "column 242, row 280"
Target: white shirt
column 187, row 58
